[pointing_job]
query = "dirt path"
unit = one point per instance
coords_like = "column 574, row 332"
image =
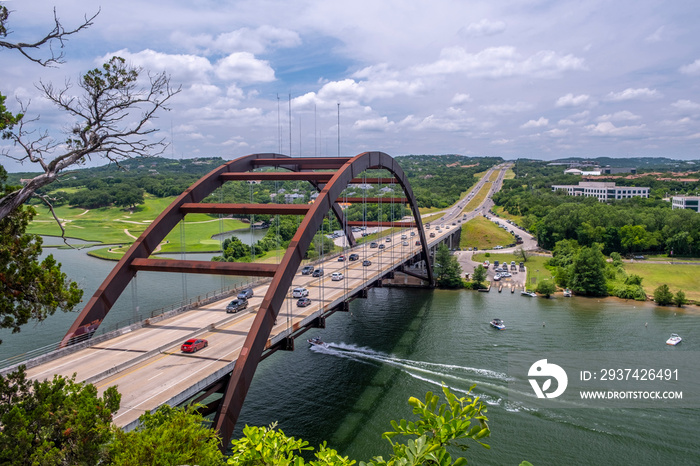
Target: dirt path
column 126, row 232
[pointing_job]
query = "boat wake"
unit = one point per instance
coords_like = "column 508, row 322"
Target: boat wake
column 491, row 384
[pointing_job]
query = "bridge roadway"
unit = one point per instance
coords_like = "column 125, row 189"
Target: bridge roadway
column 148, row 368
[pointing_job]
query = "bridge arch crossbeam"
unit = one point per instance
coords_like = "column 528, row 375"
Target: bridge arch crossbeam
column 118, row 279
column 254, row 345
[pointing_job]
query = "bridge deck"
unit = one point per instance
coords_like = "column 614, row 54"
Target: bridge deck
column 147, row 366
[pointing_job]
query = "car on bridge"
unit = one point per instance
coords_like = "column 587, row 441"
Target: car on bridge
column 405, row 243
column 381, row 246
column 432, row 235
column 388, row 239
column 366, row 262
column 373, row 245
column 245, row 294
column 300, row 292
column 307, row 270
column 354, row 257
column 341, row 258
column 303, row 302
column 236, row 305
column 337, row 276
column 193, row 345
column 317, row 273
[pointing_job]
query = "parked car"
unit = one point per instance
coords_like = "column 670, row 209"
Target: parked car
column 236, row 305
column 317, row 273
column 354, row 257
column 341, row 258
column 337, row 276
column 498, row 247
column 307, row 270
column 366, row 262
column 300, row 292
column 193, row 345
column 303, row 302
column 245, row 294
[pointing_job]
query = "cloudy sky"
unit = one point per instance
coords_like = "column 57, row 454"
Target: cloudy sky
column 511, row 78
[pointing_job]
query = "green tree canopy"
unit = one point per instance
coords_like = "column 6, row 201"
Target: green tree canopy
column 448, row 270
column 479, row 276
column 663, row 295
column 546, row 287
column 588, row 272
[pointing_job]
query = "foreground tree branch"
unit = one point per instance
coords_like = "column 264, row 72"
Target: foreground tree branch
column 57, row 35
column 105, row 124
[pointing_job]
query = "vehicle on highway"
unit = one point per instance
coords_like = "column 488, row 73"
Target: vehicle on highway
column 245, row 294
column 413, row 233
column 404, row 237
column 236, row 305
column 300, row 292
column 341, row 258
column 317, row 273
column 373, row 245
column 193, row 345
column 418, row 243
column 388, row 239
column 366, row 262
column 381, row 246
column 303, row 302
column 354, row 257
column 337, row 276
column 498, row 247
column 307, row 270
column 432, row 235
column 405, row 243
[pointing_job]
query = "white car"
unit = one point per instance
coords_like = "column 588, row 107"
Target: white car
column 337, row 276
column 300, row 292
column 498, row 247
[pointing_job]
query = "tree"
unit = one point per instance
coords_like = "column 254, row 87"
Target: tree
column 546, row 287
column 521, row 254
column 479, row 276
column 29, row 289
column 448, row 269
column 56, row 421
column 663, row 295
column 588, row 272
column 437, row 428
column 110, row 95
column 168, row 436
column 679, row 299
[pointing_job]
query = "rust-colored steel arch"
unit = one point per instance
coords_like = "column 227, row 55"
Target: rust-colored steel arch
column 136, row 258
column 230, row 406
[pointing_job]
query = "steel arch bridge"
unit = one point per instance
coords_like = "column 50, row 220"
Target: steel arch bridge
column 331, row 175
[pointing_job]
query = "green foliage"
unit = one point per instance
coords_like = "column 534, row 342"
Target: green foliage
column 55, row 421
column 29, row 289
column 437, row 428
column 546, row 287
column 479, row 276
column 663, row 295
column 616, row 258
column 168, row 436
column 588, row 272
column 449, row 272
column 679, row 299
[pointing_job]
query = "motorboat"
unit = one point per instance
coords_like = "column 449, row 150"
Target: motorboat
column 498, row 324
column 674, row 339
column 316, row 341
column 567, row 293
column 532, row 294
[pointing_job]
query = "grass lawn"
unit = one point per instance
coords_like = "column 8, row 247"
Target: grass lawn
column 113, row 225
column 510, row 174
column 676, row 276
column 483, row 234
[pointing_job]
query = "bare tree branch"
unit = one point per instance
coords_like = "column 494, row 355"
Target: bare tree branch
column 58, row 34
column 47, row 202
column 107, row 124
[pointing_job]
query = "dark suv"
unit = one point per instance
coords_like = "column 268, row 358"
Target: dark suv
column 236, row 305
column 317, row 273
column 354, row 257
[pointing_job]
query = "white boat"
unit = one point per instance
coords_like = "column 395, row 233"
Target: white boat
column 498, row 324
column 674, row 340
column 532, row 294
column 567, row 293
column 316, row 341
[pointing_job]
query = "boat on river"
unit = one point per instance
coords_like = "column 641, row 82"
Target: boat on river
column 498, row 324
column 532, row 294
column 567, row 293
column 316, row 341
column 674, row 339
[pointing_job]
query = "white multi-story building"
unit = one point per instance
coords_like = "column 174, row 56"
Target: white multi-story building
column 603, row 190
column 686, row 202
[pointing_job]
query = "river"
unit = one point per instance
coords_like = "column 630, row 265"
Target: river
column 399, row 343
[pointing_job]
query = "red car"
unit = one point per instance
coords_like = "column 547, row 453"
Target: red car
column 193, row 345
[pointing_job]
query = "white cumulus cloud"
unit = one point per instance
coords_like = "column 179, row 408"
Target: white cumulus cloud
column 624, row 115
column 542, row 121
column 460, row 99
column 692, row 69
column 686, row 105
column 181, row 67
column 244, row 67
column 570, row 100
column 632, row 94
column 606, row 128
column 485, row 28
